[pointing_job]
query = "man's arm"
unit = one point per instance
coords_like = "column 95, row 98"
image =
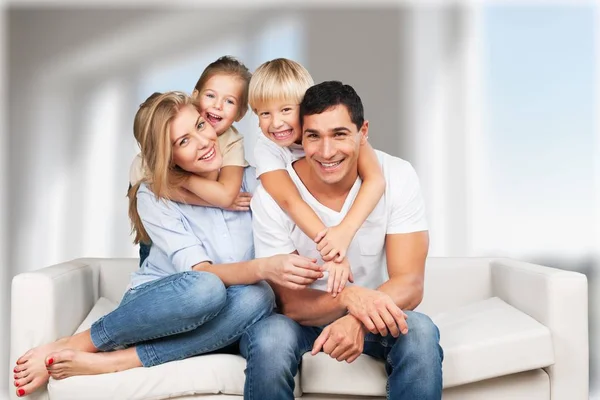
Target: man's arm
column 406, row 254
column 374, row 309
column 309, row 307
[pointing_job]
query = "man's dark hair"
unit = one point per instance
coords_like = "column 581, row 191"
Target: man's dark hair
column 328, row 94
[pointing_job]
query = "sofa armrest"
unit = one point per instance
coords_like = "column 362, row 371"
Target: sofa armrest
column 557, row 299
column 48, row 304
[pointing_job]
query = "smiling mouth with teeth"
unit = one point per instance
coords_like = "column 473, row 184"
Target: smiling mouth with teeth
column 331, row 165
column 208, row 155
column 212, row 118
column 283, row 134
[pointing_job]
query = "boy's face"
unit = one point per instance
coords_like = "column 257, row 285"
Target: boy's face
column 280, row 122
column 220, row 101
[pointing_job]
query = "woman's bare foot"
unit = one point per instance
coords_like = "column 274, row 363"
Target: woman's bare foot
column 30, row 371
column 70, row 362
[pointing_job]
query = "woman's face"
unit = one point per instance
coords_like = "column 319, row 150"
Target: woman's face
column 194, row 143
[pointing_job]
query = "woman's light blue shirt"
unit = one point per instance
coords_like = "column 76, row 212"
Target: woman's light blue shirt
column 184, row 235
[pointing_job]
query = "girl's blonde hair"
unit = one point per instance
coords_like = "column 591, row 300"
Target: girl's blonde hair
column 228, row 65
column 152, row 130
column 278, row 80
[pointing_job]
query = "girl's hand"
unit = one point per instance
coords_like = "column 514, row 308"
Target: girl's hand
column 241, row 202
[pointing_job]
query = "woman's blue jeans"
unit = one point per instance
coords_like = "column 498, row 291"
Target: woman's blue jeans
column 182, row 315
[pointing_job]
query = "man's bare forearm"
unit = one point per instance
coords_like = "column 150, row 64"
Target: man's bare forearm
column 405, row 291
column 309, row 307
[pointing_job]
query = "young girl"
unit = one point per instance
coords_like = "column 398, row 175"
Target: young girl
column 200, row 287
column 222, row 95
column 276, row 90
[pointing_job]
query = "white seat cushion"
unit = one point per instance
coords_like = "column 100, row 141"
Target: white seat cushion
column 482, row 340
column 102, row 307
column 490, row 338
column 209, row 374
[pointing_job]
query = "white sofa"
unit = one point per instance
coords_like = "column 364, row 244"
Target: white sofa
column 509, row 329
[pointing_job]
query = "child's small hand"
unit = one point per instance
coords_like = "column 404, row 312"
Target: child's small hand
column 241, row 202
column 339, row 275
column 333, row 241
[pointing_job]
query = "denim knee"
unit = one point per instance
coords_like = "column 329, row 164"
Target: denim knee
column 421, row 343
column 259, row 300
column 274, row 335
column 205, row 294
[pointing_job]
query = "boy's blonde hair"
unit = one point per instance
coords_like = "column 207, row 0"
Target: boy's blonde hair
column 278, row 80
column 152, row 130
column 228, row 65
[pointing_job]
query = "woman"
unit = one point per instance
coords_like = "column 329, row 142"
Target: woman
column 200, row 287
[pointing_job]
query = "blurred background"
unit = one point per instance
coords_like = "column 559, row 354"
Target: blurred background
column 495, row 103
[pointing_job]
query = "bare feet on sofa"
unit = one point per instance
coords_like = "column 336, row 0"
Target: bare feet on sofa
column 30, row 372
column 69, row 362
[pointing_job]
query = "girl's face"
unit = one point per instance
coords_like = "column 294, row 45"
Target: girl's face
column 194, row 143
column 219, row 101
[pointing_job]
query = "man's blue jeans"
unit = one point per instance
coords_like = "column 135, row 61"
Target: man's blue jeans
column 182, row 315
column 274, row 347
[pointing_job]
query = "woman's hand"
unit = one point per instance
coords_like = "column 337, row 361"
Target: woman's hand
column 339, row 275
column 290, row 270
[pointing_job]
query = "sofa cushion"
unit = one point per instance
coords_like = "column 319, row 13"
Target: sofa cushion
column 483, row 340
column 102, row 307
column 209, row 374
column 490, row 338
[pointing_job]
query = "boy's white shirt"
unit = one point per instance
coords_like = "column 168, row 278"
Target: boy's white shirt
column 400, row 210
column 268, row 156
column 231, row 143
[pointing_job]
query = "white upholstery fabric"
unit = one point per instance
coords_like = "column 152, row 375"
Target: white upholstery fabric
column 209, row 374
column 530, row 385
column 488, row 339
column 471, row 336
column 52, row 302
column 558, row 299
column 322, row 374
column 102, row 307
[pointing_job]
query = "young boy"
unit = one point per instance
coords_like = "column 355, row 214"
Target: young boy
column 276, row 90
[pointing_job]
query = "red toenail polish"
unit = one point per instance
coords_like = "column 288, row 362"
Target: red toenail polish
column 15, row 370
column 21, row 392
column 17, row 384
column 50, row 361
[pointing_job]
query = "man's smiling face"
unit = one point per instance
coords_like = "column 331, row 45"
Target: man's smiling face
column 331, row 142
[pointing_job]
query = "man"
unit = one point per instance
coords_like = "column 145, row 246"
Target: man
column 393, row 241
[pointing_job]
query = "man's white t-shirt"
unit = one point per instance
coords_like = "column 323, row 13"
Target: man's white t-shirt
column 400, row 210
column 268, row 156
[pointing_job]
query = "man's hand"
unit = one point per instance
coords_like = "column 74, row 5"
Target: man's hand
column 241, row 202
column 332, row 242
column 343, row 339
column 339, row 275
column 376, row 310
column 290, row 270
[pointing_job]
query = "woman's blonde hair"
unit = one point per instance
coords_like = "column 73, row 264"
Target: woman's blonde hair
column 152, row 130
column 278, row 80
column 228, row 65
